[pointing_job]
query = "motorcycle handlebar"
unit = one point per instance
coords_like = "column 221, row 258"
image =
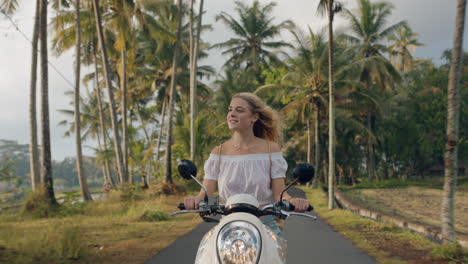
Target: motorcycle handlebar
column 181, row 206
column 309, row 209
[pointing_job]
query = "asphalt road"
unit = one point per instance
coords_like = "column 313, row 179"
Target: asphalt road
column 309, row 241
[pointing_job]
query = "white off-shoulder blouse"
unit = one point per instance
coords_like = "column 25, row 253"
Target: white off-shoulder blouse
column 248, row 174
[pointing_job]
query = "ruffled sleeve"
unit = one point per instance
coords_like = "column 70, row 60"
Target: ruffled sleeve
column 279, row 167
column 211, row 168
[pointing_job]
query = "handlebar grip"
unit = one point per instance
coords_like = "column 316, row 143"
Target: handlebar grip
column 181, row 206
column 309, row 209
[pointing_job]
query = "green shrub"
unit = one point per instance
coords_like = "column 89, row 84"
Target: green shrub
column 69, row 245
column 38, row 205
column 130, row 193
column 154, row 216
column 452, row 252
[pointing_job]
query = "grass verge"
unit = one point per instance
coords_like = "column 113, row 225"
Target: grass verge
column 114, row 230
column 385, row 242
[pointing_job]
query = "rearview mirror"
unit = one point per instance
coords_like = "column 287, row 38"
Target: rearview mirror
column 187, row 168
column 303, row 172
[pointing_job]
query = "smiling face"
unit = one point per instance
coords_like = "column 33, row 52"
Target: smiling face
column 240, row 115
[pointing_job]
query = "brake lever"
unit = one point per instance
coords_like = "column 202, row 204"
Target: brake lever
column 299, row 214
column 187, row 211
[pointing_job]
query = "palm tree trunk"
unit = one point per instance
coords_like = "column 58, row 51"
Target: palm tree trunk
column 33, row 149
column 102, row 127
column 309, row 141
column 79, row 156
column 193, row 74
column 107, row 74
column 151, row 167
column 370, row 149
column 451, row 147
column 46, row 158
column 331, row 118
column 192, row 84
column 161, row 122
column 103, row 166
column 168, row 163
column 317, row 147
column 123, row 87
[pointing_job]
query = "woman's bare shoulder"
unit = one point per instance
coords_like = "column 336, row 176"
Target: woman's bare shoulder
column 274, row 147
column 215, row 150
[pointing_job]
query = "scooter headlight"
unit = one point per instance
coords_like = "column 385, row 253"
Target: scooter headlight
column 239, row 242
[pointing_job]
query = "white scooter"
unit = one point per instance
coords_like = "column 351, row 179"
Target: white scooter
column 240, row 237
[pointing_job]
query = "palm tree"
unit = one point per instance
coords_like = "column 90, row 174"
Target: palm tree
column 304, row 86
column 451, row 147
column 8, row 7
column 107, row 76
column 172, row 92
column 405, row 42
column 369, row 30
column 33, row 149
column 79, row 156
column 332, row 7
column 123, row 13
column 251, row 48
column 46, row 158
column 194, row 48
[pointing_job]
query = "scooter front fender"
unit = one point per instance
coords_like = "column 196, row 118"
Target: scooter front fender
column 208, row 253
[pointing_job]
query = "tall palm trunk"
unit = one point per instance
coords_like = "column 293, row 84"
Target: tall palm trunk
column 102, row 127
column 151, row 166
column 46, row 158
column 107, row 74
column 370, row 149
column 331, row 125
column 451, row 147
column 123, row 87
column 33, row 150
column 168, row 163
column 317, row 147
column 309, row 141
column 79, row 156
column 194, row 44
column 161, row 122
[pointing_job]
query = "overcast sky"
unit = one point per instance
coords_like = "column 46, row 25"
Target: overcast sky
column 432, row 20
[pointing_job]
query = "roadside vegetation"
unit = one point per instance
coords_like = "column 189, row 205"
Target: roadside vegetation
column 125, row 227
column 415, row 200
column 387, row 243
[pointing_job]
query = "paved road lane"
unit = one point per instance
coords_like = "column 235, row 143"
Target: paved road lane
column 309, row 241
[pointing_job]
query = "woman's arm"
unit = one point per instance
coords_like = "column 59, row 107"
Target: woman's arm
column 210, row 186
column 278, row 185
column 191, row 203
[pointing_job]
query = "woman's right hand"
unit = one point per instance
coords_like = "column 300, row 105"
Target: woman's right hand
column 191, row 203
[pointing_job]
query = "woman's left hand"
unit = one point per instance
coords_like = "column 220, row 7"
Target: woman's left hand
column 300, row 205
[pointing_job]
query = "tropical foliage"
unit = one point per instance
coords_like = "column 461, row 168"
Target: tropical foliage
column 389, row 106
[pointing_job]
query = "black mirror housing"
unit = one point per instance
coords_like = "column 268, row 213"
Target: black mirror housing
column 187, row 168
column 304, row 172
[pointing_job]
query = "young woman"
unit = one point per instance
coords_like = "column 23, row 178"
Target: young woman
column 250, row 161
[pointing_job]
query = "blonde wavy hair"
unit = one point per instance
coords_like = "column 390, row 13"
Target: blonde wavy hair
column 268, row 125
